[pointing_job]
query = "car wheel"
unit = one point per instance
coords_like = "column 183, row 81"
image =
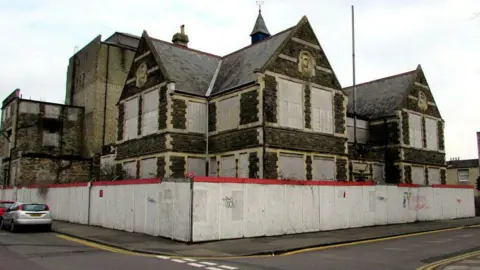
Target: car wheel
column 13, row 228
column 48, row 228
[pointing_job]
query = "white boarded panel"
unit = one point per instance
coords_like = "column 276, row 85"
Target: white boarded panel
column 243, row 165
column 254, row 210
column 431, row 130
column 327, row 208
column 378, row 174
column 323, row 168
column 322, row 110
column 196, row 165
column 293, row 222
column 150, row 112
column 274, row 209
column 381, row 205
column 424, row 204
column 369, row 205
column 206, row 205
column 342, row 207
column 131, row 169
column 227, row 166
column 437, row 203
column 355, row 200
column 415, row 130
column 290, row 98
column 231, row 210
column 311, row 208
column 228, row 113
column 418, row 175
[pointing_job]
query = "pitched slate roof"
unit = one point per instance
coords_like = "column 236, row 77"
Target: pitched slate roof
column 191, row 70
column 381, row 97
column 123, row 39
column 238, row 68
column 465, row 163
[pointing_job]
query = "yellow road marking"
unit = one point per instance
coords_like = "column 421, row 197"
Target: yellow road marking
column 449, row 260
column 126, row 252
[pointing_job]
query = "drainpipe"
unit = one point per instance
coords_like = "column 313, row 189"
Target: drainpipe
column 89, row 189
column 105, row 95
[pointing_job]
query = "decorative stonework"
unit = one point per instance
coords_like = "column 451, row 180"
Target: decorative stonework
column 424, row 133
column 249, row 107
column 441, row 142
column 162, row 108
column 339, row 113
column 212, row 117
column 270, row 99
column 177, row 166
column 308, row 162
column 161, row 167
column 141, row 75
column 443, row 176
column 341, row 165
column 121, row 118
column 405, row 128
column 306, row 64
column 308, row 105
column 270, row 165
column 253, row 165
column 140, row 114
column 426, row 176
column 408, row 174
column 422, row 101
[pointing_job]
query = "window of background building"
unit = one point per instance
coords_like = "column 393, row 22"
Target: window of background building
column 463, row 175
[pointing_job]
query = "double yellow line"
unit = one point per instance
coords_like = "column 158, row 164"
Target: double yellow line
column 126, row 252
column 449, row 260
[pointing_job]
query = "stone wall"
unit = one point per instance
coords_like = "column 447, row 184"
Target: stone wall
column 150, row 144
column 234, row 140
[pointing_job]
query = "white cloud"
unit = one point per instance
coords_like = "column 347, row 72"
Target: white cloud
column 391, row 37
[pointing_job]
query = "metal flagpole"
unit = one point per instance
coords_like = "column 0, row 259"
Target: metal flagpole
column 354, row 83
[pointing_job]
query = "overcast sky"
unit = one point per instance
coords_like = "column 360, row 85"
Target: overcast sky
column 38, row 37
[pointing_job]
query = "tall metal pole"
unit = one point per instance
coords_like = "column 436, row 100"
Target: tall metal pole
column 354, row 83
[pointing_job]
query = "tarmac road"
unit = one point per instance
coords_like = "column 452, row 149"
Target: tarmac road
column 48, row 251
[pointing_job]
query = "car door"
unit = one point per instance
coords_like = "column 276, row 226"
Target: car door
column 7, row 217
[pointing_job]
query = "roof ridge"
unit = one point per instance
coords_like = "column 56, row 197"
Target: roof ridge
column 381, row 79
column 260, row 42
column 186, row 48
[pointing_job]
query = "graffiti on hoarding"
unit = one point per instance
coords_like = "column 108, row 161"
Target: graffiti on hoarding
column 421, row 202
column 228, row 202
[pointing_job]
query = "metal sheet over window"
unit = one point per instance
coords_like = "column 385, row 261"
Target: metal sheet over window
column 229, row 113
column 415, row 130
column 196, row 165
column 52, row 111
column 292, row 166
column 290, row 104
column 131, row 119
column 322, row 110
column 148, row 168
column 243, row 165
column 227, row 166
column 432, row 133
column 323, row 169
column 434, row 176
column 130, row 169
column 196, row 117
column 378, row 174
column 418, row 175
column 150, row 112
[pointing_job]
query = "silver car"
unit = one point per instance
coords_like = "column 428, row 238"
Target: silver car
column 26, row 214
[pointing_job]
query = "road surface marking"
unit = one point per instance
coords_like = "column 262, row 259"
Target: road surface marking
column 127, row 252
column 209, row 263
column 471, row 261
column 196, row 265
column 213, row 268
column 449, row 260
column 189, row 260
column 177, row 260
column 163, row 257
column 228, row 267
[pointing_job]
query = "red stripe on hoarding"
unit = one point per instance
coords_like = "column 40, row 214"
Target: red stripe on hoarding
column 452, row 186
column 232, row 180
column 128, row 182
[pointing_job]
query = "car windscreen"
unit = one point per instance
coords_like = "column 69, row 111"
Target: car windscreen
column 5, row 205
column 34, row 207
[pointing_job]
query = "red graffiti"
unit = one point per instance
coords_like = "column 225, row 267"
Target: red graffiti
column 459, row 200
column 420, row 202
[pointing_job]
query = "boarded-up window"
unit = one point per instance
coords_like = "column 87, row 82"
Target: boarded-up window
column 52, row 111
column 150, row 112
column 130, row 169
column 212, row 167
column 196, row 165
column 378, row 174
column 148, row 168
column 73, row 114
column 434, row 176
column 227, row 166
column 228, row 113
column 418, row 175
column 291, row 167
column 51, row 139
column 323, row 169
column 243, row 165
column 29, row 107
column 432, row 136
column 322, row 110
column 131, row 119
column 196, row 117
column 362, row 130
column 290, row 104
column 415, row 130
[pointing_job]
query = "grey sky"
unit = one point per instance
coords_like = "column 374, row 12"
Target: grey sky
column 392, row 37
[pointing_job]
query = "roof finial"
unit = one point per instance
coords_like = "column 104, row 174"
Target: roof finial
column 259, row 4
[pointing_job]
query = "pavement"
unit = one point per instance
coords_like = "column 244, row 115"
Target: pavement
column 51, row 251
column 142, row 243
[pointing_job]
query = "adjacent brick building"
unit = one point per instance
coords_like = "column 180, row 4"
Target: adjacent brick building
column 42, row 142
column 399, row 128
column 95, row 78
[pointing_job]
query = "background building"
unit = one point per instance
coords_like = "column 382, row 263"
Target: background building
column 463, row 172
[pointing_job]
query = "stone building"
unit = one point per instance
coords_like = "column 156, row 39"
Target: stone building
column 42, row 142
column 95, row 78
column 275, row 109
column 400, row 132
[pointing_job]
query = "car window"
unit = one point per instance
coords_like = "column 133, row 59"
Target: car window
column 34, row 207
column 5, row 205
column 14, row 207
